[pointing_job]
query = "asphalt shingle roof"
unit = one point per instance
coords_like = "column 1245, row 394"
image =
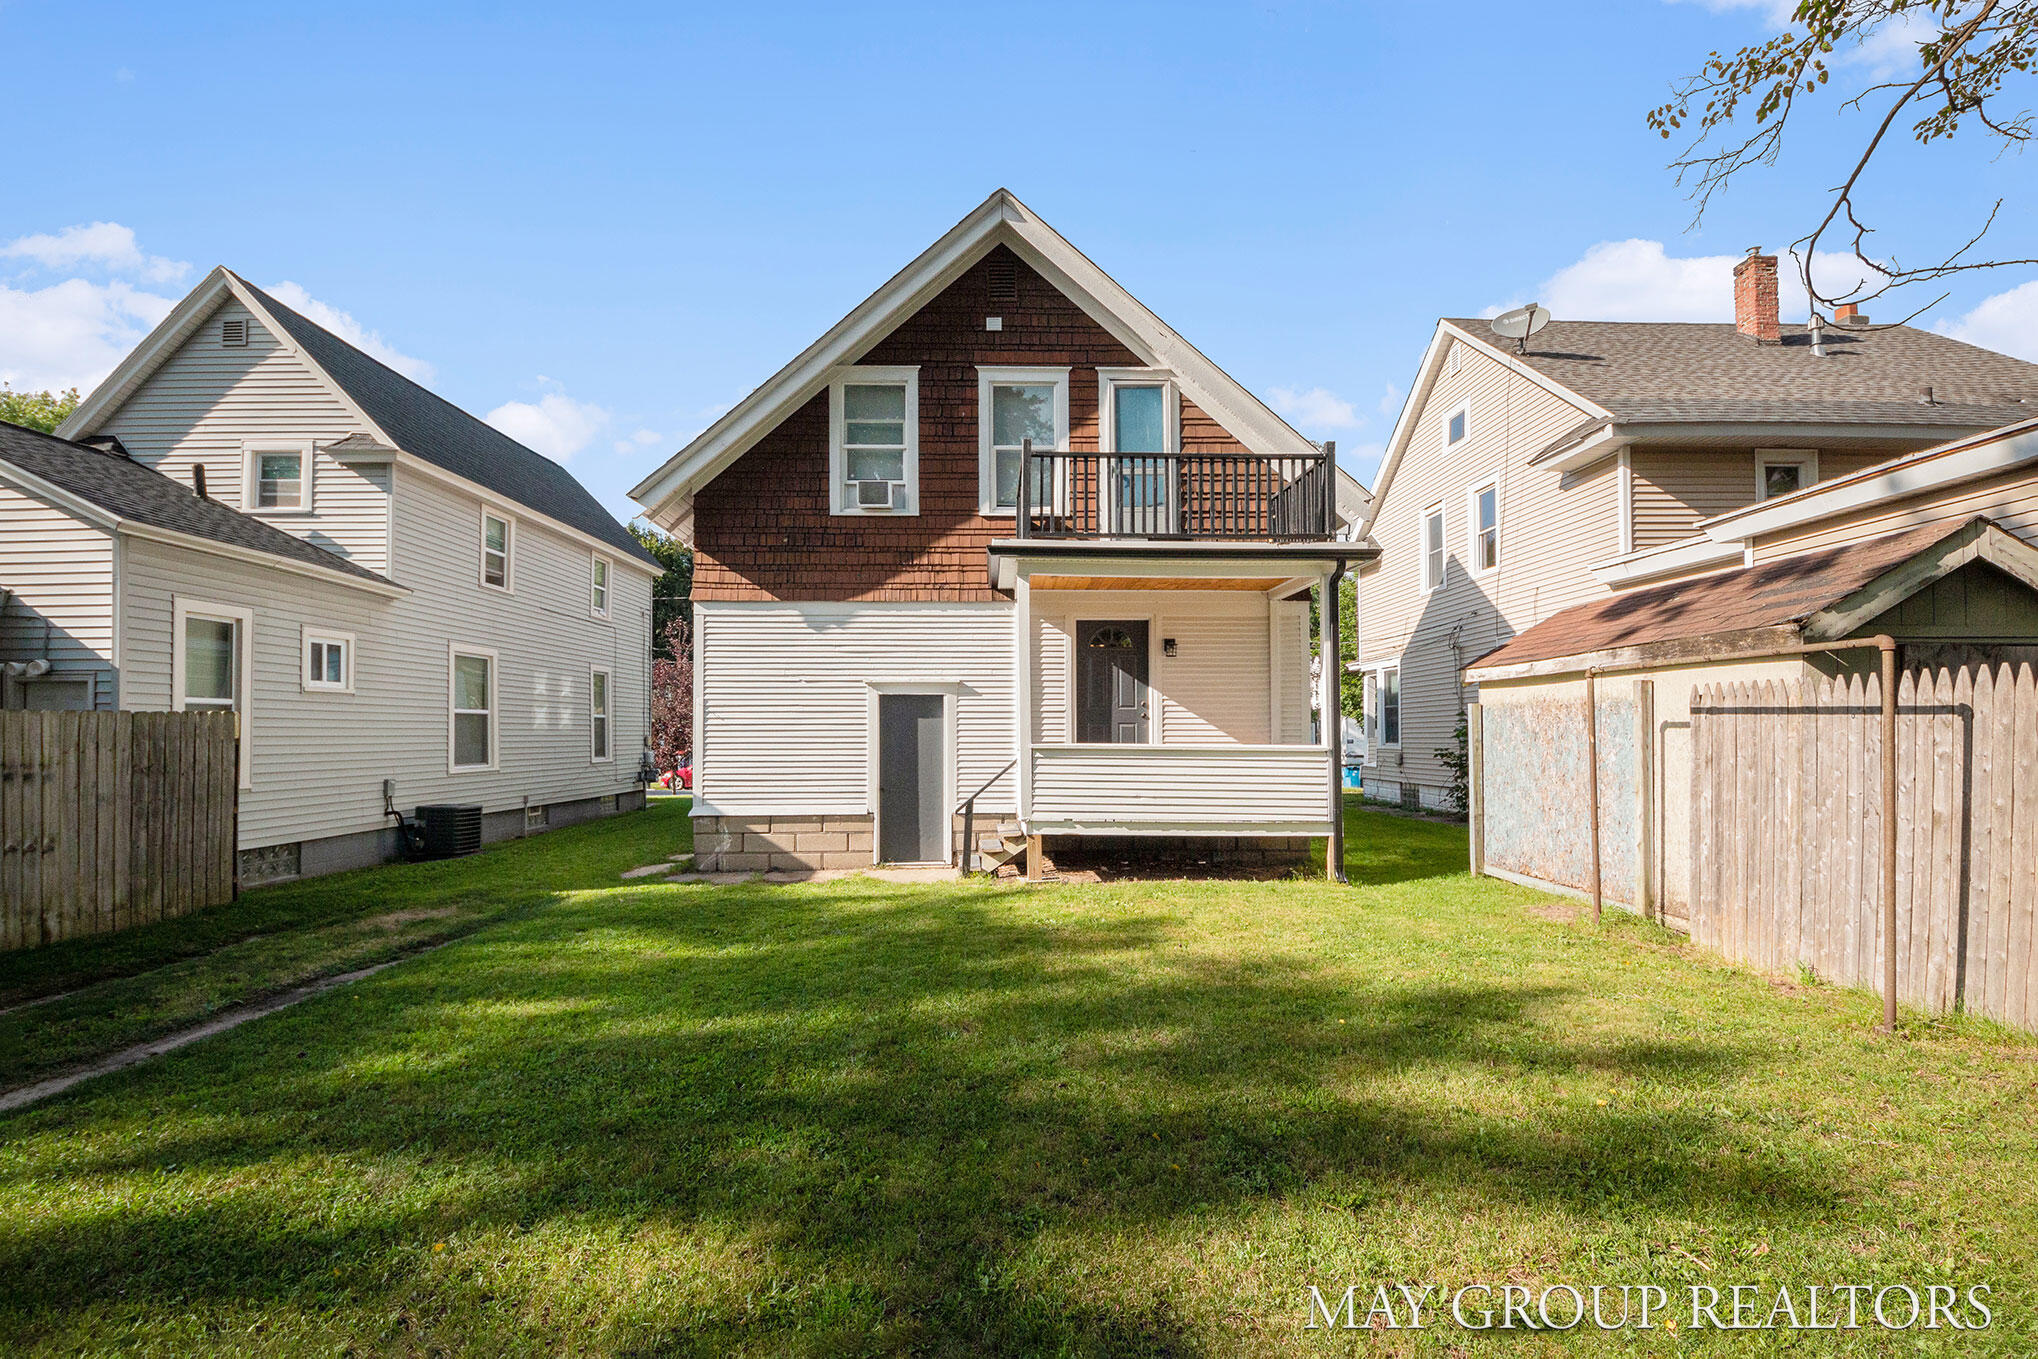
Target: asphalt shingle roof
column 133, row 492
column 1778, row 593
column 428, row 426
column 1660, row 372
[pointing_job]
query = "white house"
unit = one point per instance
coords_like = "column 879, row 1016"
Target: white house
column 404, row 605
column 898, row 609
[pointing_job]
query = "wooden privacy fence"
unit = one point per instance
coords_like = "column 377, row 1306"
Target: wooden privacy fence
column 1786, row 833
column 112, row 820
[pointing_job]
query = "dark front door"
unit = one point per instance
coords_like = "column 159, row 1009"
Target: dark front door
column 912, row 762
column 1111, row 693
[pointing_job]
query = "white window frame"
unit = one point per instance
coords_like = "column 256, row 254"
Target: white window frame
column 1463, row 408
column 1806, row 460
column 182, row 608
column 1109, row 380
column 327, row 637
column 1434, row 511
column 509, row 549
column 1472, row 493
column 601, row 580
column 873, row 375
column 987, row 458
column 455, row 650
column 1375, row 729
column 251, row 454
column 607, row 715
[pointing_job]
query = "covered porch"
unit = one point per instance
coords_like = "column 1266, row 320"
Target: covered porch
column 1165, row 691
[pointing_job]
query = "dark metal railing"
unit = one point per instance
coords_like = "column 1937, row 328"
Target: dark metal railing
column 1177, row 495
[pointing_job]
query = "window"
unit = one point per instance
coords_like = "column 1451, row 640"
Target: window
column 1457, row 425
column 1014, row 405
column 1138, row 416
column 599, row 600
column 1432, row 548
column 210, row 666
column 1482, row 519
column 598, row 712
column 874, row 440
column 329, row 661
column 1783, row 471
column 471, row 724
column 497, row 542
column 276, row 478
column 1383, row 706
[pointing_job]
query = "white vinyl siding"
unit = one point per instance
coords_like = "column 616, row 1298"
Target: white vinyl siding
column 1219, row 687
column 211, row 404
column 1554, row 526
column 59, row 572
column 1266, row 788
column 395, row 725
column 785, row 699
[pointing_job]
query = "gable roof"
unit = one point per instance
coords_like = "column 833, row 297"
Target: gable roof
column 1640, row 373
column 398, row 413
column 1001, row 219
column 128, row 494
column 1811, row 591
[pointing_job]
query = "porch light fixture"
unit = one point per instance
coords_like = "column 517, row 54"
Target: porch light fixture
column 1167, row 646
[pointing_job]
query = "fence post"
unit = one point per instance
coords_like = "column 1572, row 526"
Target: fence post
column 1475, row 784
column 1888, row 649
column 1592, row 784
column 1645, row 797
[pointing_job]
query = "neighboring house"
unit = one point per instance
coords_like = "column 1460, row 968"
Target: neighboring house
column 1517, row 484
column 893, row 613
column 252, row 514
column 1937, row 549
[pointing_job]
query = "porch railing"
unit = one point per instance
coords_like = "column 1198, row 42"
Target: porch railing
column 1177, row 495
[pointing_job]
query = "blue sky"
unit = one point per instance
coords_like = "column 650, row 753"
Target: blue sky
column 602, row 228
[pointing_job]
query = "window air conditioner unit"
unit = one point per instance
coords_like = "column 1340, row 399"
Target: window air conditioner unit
column 878, row 495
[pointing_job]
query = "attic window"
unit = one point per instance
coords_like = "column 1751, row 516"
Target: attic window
column 233, row 332
column 1004, row 280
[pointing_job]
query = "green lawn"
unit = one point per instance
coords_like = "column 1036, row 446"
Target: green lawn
column 1138, row 1118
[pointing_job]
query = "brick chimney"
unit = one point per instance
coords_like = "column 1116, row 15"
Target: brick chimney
column 1756, row 310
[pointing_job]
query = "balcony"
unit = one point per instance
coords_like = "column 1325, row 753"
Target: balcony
column 1243, row 497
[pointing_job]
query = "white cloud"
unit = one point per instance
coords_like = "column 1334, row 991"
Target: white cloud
column 1316, row 408
column 71, row 334
column 555, row 425
column 1638, row 280
column 2007, row 321
column 1362, row 461
column 1885, row 47
column 642, row 439
column 105, row 246
column 343, row 324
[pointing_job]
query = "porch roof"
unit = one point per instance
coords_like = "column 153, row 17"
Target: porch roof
column 1152, row 557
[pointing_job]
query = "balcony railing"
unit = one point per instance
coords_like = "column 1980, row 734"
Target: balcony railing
column 1177, row 495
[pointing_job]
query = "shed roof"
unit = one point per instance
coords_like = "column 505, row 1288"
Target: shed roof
column 1785, row 592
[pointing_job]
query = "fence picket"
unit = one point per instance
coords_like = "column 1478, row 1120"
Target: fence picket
column 108, row 820
column 1971, row 987
column 2024, row 838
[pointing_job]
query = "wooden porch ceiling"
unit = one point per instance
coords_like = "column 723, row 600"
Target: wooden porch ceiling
column 1152, row 583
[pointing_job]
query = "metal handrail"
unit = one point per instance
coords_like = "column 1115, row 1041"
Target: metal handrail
column 968, row 808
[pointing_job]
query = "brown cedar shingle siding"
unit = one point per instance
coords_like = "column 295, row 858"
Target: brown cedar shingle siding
column 763, row 530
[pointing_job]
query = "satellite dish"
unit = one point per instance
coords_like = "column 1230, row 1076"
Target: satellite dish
column 1519, row 324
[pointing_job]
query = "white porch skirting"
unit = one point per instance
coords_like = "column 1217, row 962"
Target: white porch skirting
column 1179, row 790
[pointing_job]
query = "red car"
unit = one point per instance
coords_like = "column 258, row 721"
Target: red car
column 676, row 779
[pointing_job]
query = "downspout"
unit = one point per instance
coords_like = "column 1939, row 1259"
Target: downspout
column 1333, row 718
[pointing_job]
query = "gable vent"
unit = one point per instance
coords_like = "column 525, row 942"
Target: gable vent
column 233, row 332
column 1004, row 280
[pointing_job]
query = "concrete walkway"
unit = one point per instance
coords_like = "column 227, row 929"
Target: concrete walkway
column 22, row 1096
